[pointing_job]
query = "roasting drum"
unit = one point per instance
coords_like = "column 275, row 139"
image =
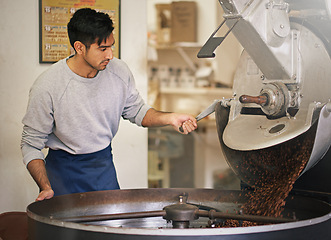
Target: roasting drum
column 314, row 216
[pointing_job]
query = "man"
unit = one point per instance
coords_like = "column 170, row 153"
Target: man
column 75, row 108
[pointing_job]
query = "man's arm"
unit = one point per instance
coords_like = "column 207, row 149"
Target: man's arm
column 154, row 118
column 38, row 172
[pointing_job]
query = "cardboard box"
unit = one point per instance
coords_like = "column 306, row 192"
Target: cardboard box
column 183, row 22
column 163, row 19
column 176, row 22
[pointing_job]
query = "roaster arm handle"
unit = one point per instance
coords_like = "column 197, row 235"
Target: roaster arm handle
column 261, row 100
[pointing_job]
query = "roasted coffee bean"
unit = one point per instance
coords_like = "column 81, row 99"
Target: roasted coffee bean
column 272, row 172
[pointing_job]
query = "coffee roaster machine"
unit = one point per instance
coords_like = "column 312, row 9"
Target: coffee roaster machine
column 282, row 84
column 281, row 97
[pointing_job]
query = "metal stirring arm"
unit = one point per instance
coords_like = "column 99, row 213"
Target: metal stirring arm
column 180, row 212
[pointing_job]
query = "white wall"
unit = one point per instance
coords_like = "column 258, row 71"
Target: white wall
column 130, row 144
column 19, row 67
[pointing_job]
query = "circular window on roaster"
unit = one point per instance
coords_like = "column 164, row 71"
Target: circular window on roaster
column 277, row 128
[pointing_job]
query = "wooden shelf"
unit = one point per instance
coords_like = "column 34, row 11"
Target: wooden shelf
column 180, row 48
column 226, row 92
column 186, row 45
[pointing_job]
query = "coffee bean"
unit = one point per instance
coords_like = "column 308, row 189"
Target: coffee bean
column 272, row 172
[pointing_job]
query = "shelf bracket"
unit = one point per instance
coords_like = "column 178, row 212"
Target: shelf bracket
column 186, row 58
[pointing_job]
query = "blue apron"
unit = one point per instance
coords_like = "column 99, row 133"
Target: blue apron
column 70, row 173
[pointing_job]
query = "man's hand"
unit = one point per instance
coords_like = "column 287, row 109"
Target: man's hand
column 45, row 194
column 38, row 172
column 184, row 123
column 155, row 118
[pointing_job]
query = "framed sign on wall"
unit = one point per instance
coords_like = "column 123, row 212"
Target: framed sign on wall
column 54, row 16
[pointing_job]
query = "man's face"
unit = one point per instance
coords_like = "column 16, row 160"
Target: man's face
column 98, row 56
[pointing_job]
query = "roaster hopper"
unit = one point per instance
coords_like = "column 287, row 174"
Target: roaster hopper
column 281, row 101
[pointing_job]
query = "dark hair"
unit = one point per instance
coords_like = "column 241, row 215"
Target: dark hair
column 89, row 26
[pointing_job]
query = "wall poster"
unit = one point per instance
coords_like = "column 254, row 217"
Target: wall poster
column 54, row 16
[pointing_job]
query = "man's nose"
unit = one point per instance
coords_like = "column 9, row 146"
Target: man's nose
column 110, row 54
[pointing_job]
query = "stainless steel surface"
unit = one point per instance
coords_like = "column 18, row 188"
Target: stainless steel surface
column 282, row 85
column 286, row 59
column 43, row 223
column 297, row 97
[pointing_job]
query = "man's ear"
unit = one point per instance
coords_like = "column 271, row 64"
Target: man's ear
column 79, row 47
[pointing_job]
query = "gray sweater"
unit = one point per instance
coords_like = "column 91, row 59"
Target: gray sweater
column 76, row 114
